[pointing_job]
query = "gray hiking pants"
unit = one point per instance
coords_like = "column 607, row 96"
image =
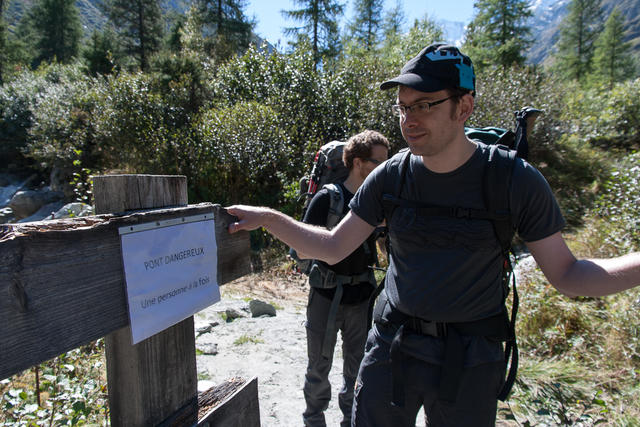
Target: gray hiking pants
column 351, row 320
column 475, row 405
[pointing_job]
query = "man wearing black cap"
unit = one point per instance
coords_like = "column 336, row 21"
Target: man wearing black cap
column 440, row 321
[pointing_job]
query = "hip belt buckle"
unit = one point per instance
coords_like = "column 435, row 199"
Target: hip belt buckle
column 425, row 327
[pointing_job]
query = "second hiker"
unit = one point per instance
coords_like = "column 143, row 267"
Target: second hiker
column 339, row 294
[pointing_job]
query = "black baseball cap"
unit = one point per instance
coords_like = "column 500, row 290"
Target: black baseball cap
column 438, row 66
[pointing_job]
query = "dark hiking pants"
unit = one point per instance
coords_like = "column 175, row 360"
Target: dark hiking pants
column 475, row 405
column 351, row 321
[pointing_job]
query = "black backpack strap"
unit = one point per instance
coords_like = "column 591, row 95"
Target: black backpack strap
column 511, row 347
column 496, row 191
column 507, row 139
column 389, row 198
column 389, row 204
column 372, row 302
column 329, row 333
column 336, row 204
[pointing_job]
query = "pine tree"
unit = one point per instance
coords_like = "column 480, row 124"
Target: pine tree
column 498, row 35
column 319, row 19
column 174, row 42
column 100, row 54
column 139, row 23
column 55, row 29
column 394, row 20
column 227, row 30
column 612, row 58
column 578, row 33
column 366, row 25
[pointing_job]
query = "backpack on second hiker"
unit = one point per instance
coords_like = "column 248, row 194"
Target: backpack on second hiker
column 326, row 171
column 327, row 168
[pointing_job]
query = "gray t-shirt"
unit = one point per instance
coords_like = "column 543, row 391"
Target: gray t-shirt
column 449, row 269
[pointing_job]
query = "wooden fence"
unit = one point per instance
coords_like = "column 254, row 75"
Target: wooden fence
column 62, row 285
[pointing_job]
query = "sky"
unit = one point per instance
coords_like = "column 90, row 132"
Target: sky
column 270, row 22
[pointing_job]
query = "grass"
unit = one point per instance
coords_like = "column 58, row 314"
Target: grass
column 203, row 376
column 245, row 339
column 277, row 306
column 579, row 358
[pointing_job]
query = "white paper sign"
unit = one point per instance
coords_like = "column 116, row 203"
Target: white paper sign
column 170, row 272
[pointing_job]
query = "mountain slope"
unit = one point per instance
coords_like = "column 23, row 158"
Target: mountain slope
column 548, row 14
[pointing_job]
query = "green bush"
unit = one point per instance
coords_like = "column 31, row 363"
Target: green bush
column 62, row 138
column 242, row 154
column 619, row 205
column 608, row 118
column 501, row 92
column 20, row 100
column 135, row 126
column 165, row 121
column 355, row 102
column 286, row 83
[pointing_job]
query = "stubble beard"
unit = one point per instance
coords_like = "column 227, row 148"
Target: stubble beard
column 426, row 146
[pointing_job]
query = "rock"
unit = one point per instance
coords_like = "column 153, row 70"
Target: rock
column 74, row 210
column 232, row 314
column 6, row 193
column 6, row 215
column 260, row 308
column 205, row 329
column 45, row 212
column 209, row 349
column 57, row 181
column 27, row 203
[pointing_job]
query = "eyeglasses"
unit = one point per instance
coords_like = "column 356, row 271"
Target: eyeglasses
column 421, row 107
column 372, row 160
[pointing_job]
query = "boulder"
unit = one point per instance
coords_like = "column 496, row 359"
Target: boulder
column 74, row 210
column 209, row 349
column 45, row 212
column 232, row 313
column 6, row 215
column 27, row 203
column 205, row 329
column 260, row 308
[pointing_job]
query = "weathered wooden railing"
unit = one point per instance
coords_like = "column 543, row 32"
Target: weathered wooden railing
column 62, row 285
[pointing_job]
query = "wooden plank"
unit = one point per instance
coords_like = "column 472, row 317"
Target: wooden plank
column 240, row 409
column 145, row 192
column 62, row 282
column 153, row 379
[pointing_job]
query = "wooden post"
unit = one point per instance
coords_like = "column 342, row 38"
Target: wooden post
column 155, row 379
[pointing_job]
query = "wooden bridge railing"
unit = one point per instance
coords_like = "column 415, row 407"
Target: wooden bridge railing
column 62, row 285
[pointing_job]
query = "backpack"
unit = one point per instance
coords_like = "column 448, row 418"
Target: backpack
column 336, row 206
column 505, row 146
column 327, row 171
column 327, row 168
column 516, row 141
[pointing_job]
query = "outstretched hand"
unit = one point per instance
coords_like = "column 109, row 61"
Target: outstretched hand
column 249, row 217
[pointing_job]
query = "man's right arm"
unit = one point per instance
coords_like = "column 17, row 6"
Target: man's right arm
column 309, row 241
